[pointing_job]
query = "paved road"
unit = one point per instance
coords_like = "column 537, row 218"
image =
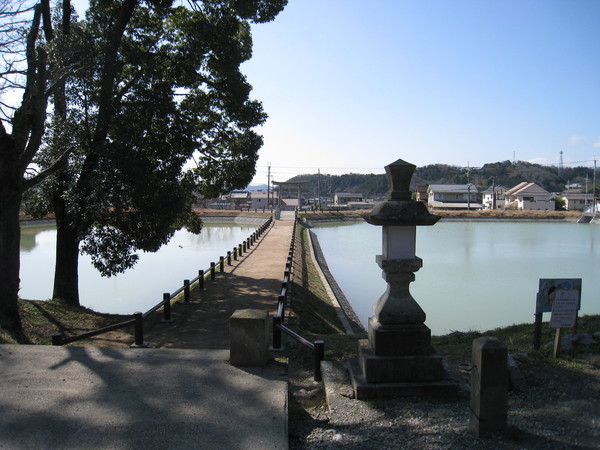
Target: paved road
column 181, row 395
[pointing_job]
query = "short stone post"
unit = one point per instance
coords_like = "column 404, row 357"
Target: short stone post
column 489, row 386
column 248, row 337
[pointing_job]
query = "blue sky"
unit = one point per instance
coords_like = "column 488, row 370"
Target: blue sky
column 351, row 86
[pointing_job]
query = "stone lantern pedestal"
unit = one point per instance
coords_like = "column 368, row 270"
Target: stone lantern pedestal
column 397, row 358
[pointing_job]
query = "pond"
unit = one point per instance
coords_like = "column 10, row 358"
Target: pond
column 139, row 288
column 475, row 275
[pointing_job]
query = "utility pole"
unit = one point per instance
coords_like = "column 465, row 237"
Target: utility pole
column 319, row 188
column 468, row 187
column 594, row 187
column 269, row 186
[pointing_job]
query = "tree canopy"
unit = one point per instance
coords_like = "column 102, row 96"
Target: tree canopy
column 139, row 89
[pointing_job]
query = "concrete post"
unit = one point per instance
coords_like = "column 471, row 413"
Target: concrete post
column 489, row 385
column 248, row 337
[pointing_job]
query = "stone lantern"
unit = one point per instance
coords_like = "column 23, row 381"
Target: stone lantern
column 397, row 358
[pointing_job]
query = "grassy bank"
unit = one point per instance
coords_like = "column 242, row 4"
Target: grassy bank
column 483, row 214
column 41, row 319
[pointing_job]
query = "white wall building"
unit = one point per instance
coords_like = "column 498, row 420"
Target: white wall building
column 529, row 196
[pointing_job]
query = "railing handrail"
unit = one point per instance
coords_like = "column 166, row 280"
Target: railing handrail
column 318, row 347
column 58, row 339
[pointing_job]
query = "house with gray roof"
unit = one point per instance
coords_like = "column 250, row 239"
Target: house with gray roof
column 453, row 196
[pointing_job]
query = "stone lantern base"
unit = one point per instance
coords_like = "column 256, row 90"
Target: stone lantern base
column 376, row 376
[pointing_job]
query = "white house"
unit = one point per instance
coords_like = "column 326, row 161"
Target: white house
column 493, row 197
column 576, row 201
column 240, row 199
column 528, row 196
column 258, row 199
column 343, row 198
column 453, row 196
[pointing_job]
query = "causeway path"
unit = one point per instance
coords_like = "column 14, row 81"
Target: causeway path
column 181, row 393
column 252, row 282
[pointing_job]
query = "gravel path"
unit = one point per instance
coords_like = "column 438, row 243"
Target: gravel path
column 559, row 410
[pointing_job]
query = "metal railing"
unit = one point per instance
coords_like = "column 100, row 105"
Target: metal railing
column 137, row 319
column 279, row 326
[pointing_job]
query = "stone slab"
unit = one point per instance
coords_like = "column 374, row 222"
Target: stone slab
column 382, row 369
column 446, row 388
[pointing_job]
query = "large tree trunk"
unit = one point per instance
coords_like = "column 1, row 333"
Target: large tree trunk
column 10, row 259
column 66, row 273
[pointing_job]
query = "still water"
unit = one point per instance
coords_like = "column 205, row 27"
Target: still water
column 475, row 275
column 137, row 289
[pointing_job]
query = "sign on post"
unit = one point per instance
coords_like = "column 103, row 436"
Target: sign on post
column 564, row 309
column 549, row 291
column 549, row 287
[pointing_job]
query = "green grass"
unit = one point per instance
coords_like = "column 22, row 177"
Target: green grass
column 311, row 309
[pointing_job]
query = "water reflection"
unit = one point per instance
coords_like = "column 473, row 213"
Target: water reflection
column 139, row 288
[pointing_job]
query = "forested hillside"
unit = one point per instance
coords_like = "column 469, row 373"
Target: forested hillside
column 504, row 173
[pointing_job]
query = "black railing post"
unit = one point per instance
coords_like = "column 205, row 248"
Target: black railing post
column 57, row 338
column 276, row 333
column 228, row 258
column 139, row 329
column 166, row 307
column 186, row 291
column 240, row 251
column 319, row 356
column 212, row 270
column 221, row 264
column 201, row 280
column 244, row 246
column 282, row 301
column 235, row 253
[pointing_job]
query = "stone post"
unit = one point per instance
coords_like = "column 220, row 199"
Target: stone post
column 248, row 337
column 397, row 358
column 489, row 385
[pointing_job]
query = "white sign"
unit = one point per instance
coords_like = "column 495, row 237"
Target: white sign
column 564, row 309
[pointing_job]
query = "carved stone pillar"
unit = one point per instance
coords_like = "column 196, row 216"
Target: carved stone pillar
column 397, row 358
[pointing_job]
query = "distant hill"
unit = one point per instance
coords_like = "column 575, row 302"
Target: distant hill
column 258, row 187
column 504, row 173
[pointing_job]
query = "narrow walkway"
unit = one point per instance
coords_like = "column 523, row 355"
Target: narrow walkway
column 252, row 282
column 182, row 395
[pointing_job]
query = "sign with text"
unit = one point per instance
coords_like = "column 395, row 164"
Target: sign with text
column 549, row 287
column 564, row 309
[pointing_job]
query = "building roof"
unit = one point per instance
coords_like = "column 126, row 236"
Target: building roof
column 263, row 194
column 526, row 188
column 453, row 188
column 239, row 194
column 499, row 188
column 348, row 194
